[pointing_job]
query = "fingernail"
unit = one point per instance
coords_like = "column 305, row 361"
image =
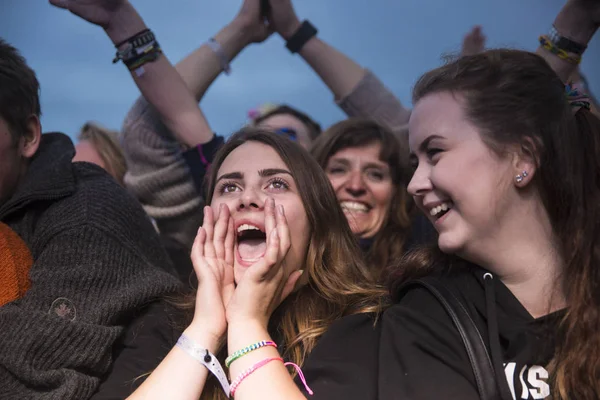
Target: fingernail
column 280, row 209
column 274, row 234
column 301, row 271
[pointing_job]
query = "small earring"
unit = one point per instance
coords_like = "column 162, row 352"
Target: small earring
column 519, row 178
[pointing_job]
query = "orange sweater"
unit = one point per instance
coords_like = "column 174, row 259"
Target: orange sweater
column 15, row 262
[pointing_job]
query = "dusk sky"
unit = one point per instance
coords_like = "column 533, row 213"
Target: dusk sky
column 398, row 40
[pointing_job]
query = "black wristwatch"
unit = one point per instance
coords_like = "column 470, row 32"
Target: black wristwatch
column 301, row 36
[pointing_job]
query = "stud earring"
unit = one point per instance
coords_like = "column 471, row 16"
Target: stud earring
column 519, row 178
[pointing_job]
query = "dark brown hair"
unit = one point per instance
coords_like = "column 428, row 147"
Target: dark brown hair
column 515, row 98
column 107, row 145
column 388, row 244
column 338, row 282
column 19, row 90
column 314, row 129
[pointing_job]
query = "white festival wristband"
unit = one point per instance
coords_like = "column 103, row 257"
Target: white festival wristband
column 206, row 358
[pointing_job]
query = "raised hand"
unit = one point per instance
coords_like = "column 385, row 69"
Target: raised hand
column 269, row 281
column 283, row 18
column 99, row 12
column 252, row 23
column 212, row 256
column 473, row 42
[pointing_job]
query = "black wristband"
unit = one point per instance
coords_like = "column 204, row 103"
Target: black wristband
column 301, row 36
column 565, row 43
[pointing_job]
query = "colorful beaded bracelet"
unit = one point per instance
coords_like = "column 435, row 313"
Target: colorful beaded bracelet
column 248, row 349
column 560, row 53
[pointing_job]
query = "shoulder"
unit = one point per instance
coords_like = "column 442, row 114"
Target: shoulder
column 344, row 362
column 98, row 201
column 421, row 351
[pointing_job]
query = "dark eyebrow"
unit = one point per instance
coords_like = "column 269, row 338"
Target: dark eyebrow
column 272, row 171
column 231, row 175
column 424, row 144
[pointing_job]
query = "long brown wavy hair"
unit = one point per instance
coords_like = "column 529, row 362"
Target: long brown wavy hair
column 388, row 243
column 515, row 98
column 339, row 284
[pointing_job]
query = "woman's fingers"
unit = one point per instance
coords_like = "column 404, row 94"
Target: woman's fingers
column 198, row 250
column 208, row 224
column 270, row 219
column 230, row 243
column 283, row 230
column 220, row 232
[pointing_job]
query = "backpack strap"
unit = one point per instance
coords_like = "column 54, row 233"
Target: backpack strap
column 474, row 344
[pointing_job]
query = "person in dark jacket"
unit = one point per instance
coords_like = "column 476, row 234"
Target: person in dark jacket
column 506, row 159
column 96, row 261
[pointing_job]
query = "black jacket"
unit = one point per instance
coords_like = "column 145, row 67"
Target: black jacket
column 422, row 356
column 97, row 259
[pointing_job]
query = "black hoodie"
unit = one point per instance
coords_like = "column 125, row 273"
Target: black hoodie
column 422, row 356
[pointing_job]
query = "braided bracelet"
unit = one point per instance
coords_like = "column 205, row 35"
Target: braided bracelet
column 240, row 378
column 250, row 371
column 248, row 349
column 560, row 53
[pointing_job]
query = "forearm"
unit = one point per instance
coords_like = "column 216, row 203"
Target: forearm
column 574, row 23
column 270, row 382
column 200, row 68
column 162, row 86
column 340, row 73
column 179, row 376
column 357, row 91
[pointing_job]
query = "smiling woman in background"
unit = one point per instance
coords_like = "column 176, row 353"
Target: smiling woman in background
column 367, row 169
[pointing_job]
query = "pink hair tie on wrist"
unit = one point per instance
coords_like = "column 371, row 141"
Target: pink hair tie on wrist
column 240, row 378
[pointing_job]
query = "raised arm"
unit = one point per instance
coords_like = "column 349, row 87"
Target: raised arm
column 159, row 82
column 577, row 21
column 356, row 90
column 201, row 67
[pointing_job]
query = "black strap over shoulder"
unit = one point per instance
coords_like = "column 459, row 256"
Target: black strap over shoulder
column 476, row 350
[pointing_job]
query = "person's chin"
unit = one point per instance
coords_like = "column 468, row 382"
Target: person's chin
column 449, row 243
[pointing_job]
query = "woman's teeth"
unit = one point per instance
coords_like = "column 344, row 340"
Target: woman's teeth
column 247, row 227
column 354, row 206
column 439, row 209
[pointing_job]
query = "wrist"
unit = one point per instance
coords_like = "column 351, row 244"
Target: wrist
column 233, row 38
column 125, row 23
column 242, row 324
column 209, row 340
column 287, row 33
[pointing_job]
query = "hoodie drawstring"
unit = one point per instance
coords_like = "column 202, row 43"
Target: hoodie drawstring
column 494, row 337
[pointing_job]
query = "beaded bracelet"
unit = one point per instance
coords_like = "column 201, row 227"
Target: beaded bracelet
column 560, row 53
column 248, row 349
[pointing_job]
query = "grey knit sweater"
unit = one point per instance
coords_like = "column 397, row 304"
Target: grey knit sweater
column 97, row 259
column 160, row 178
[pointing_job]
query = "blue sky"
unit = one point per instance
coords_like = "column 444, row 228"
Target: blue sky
column 397, row 39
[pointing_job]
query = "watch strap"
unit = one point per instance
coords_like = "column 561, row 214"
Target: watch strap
column 301, row 36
